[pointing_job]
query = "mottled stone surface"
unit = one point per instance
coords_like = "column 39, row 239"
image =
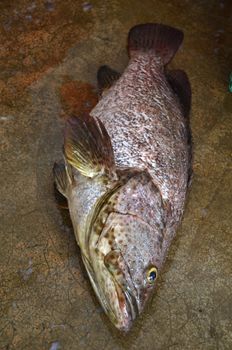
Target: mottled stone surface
column 46, row 301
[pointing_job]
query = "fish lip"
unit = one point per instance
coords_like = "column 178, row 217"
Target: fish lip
column 98, row 290
column 131, row 308
column 132, row 303
column 109, row 311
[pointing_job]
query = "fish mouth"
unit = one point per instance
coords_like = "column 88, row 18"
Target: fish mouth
column 132, row 306
column 123, row 316
column 128, row 308
column 99, row 293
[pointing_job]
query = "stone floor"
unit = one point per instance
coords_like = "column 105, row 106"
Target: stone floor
column 50, row 52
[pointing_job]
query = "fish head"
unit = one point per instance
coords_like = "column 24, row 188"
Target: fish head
column 126, row 250
column 119, row 220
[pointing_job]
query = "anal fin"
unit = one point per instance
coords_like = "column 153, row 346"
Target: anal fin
column 106, row 77
column 179, row 82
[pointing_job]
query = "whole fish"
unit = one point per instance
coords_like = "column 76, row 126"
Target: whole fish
column 126, row 172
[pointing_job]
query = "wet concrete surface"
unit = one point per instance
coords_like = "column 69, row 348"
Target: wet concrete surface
column 50, row 52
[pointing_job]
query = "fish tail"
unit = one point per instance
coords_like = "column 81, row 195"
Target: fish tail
column 162, row 40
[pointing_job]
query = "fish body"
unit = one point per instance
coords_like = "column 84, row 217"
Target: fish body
column 126, row 172
column 145, row 122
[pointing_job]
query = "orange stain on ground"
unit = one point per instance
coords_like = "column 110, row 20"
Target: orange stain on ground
column 78, row 97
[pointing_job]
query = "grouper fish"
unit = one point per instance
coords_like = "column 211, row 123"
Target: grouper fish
column 126, row 172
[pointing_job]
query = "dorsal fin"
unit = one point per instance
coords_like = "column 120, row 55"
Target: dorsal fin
column 160, row 39
column 87, row 146
column 106, row 77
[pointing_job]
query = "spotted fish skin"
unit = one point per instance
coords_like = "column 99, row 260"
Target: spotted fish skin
column 126, row 172
column 148, row 130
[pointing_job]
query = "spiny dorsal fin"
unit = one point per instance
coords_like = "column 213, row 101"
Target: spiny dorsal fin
column 87, row 146
column 106, row 77
column 160, row 39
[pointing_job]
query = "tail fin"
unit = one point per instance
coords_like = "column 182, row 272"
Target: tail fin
column 163, row 40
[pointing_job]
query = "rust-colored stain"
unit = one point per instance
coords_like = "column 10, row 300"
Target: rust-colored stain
column 78, row 97
column 35, row 36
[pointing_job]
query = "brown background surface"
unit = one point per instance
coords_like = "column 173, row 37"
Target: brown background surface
column 50, row 52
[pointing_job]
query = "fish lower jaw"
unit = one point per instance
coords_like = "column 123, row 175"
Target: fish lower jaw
column 123, row 324
column 124, row 328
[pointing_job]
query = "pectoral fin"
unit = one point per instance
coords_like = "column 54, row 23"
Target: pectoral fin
column 87, row 146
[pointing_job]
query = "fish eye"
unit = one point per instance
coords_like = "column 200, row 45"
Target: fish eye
column 152, row 273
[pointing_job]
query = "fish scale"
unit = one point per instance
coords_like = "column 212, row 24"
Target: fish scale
column 164, row 120
column 126, row 173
